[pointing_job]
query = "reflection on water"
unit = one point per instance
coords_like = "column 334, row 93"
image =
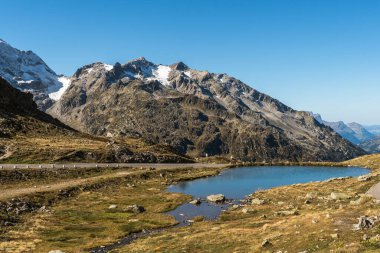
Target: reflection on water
column 239, row 182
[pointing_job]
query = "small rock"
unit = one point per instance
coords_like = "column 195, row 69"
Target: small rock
column 265, row 243
column 334, row 236
column 257, row 201
column 195, row 202
column 248, row 210
column 288, row 212
column 339, row 196
column 217, row 198
column 280, row 203
column 310, row 196
column 365, row 237
column 135, row 209
column 43, row 209
column 112, row 207
column 364, row 178
column 308, row 201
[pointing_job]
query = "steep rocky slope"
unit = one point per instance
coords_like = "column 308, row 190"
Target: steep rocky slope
column 197, row 112
column 30, row 135
column 26, row 71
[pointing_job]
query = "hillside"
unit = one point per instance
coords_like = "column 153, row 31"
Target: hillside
column 29, row 135
column 196, row 112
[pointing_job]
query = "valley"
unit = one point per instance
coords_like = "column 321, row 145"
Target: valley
column 137, row 156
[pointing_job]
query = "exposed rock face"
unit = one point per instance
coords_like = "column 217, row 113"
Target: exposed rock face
column 196, row 112
column 26, row 71
column 30, row 135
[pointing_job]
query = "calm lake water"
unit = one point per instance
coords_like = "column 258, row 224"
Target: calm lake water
column 239, row 182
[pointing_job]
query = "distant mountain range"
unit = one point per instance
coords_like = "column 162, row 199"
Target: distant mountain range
column 366, row 137
column 198, row 113
column 374, row 129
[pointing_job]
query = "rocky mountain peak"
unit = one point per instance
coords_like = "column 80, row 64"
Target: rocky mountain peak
column 26, row 71
column 179, row 66
column 196, row 112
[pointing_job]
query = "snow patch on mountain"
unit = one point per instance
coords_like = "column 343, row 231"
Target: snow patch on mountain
column 65, row 84
column 161, row 73
column 108, row 67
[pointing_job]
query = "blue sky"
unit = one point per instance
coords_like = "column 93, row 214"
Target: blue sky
column 320, row 55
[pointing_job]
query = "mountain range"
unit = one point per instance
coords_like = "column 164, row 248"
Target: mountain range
column 366, row 137
column 197, row 113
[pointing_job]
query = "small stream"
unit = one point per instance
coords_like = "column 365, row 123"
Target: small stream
column 236, row 184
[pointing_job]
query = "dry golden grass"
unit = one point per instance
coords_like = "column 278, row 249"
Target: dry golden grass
column 84, row 221
column 323, row 225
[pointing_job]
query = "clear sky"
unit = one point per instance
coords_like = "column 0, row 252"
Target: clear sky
column 320, row 55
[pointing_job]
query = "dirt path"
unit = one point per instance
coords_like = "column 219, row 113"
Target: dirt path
column 12, row 193
column 110, row 165
column 374, row 191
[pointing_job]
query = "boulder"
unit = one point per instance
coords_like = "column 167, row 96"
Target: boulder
column 339, row 196
column 364, row 178
column 217, row 198
column 195, row 202
column 134, row 209
column 112, row 207
column 364, row 222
